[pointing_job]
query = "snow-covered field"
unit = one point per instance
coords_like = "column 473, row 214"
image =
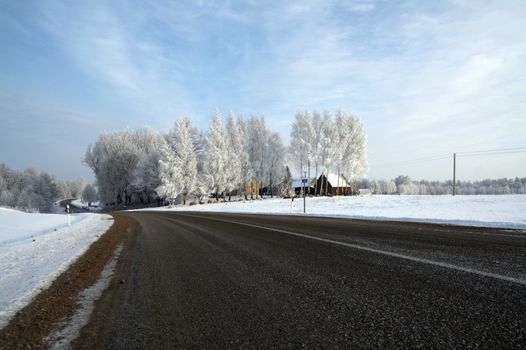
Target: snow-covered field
column 508, row 211
column 37, row 248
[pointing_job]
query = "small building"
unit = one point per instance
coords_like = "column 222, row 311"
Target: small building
column 333, row 185
column 253, row 189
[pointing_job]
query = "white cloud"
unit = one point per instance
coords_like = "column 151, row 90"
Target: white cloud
column 110, row 47
column 359, row 6
column 425, row 78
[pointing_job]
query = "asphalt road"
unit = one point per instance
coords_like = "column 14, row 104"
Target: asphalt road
column 196, row 280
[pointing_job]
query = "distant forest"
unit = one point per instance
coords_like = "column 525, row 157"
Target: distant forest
column 404, row 185
column 31, row 191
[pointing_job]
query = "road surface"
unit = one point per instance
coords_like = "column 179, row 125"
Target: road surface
column 202, row 280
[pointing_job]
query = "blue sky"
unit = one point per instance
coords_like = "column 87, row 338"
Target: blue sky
column 427, row 78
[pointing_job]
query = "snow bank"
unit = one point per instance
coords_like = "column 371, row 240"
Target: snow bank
column 506, row 211
column 37, row 248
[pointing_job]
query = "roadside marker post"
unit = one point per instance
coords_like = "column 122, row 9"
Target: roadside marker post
column 68, row 212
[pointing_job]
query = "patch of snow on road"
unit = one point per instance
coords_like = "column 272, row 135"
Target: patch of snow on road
column 36, row 248
column 504, row 211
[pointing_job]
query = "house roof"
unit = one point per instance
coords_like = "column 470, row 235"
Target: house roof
column 337, row 180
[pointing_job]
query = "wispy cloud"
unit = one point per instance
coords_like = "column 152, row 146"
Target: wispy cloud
column 111, row 45
column 425, row 78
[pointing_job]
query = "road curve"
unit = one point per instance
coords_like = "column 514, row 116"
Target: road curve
column 196, row 280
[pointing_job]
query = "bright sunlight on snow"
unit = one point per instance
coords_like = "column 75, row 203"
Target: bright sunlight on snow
column 37, row 248
column 484, row 210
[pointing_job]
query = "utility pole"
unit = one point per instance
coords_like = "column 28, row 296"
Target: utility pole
column 454, row 171
column 304, row 182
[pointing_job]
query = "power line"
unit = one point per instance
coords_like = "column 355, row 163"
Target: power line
column 464, row 154
column 501, row 150
column 413, row 161
column 490, row 153
column 417, row 160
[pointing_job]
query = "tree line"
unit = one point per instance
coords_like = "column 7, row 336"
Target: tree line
column 31, row 191
column 323, row 143
column 147, row 167
column 241, row 156
column 404, row 185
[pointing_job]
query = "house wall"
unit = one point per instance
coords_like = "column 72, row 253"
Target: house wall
column 332, row 190
column 253, row 187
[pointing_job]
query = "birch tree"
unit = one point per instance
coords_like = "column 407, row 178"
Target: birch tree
column 274, row 161
column 327, row 147
column 244, row 159
column 216, row 156
column 185, row 156
column 234, row 152
column 355, row 156
column 257, row 134
column 203, row 181
column 170, row 176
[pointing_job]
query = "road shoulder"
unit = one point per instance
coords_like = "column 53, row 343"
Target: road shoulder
column 33, row 323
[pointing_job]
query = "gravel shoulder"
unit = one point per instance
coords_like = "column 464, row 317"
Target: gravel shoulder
column 33, row 323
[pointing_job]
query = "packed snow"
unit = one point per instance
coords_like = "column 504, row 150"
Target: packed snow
column 36, row 248
column 506, row 211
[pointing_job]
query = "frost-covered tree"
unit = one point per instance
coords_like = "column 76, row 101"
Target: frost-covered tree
column 327, row 147
column 350, row 155
column 28, row 190
column 285, row 187
column 89, row 194
column 297, row 149
column 146, row 177
column 113, row 159
column 355, row 155
column 180, row 139
column 342, row 135
column 119, row 161
column 315, row 141
column 71, row 188
column 235, row 152
column 405, row 185
column 330, row 144
column 170, row 176
column 257, row 136
column 203, row 182
column 303, row 142
column 215, row 163
column 274, row 159
column 245, row 164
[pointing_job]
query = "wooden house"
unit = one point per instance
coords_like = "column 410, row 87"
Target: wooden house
column 333, row 185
